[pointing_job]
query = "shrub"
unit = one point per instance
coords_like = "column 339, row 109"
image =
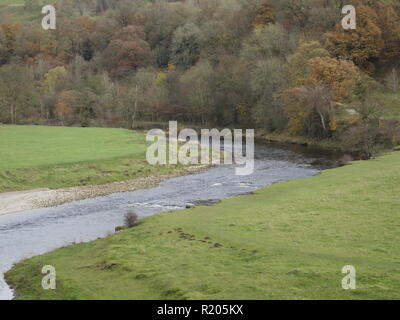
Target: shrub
column 130, row 219
column 360, row 140
column 366, row 138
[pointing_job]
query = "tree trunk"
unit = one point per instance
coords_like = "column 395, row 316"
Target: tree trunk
column 134, row 108
column 11, row 114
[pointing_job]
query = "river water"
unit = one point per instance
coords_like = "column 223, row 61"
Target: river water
column 29, row 233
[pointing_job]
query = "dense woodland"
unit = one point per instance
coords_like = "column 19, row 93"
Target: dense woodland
column 277, row 65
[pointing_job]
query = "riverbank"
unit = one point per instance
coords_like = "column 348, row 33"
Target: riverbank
column 44, row 166
column 41, row 198
column 286, row 241
column 285, row 138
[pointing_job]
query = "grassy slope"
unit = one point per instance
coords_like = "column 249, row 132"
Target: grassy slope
column 286, row 241
column 14, row 10
column 391, row 104
column 55, row 157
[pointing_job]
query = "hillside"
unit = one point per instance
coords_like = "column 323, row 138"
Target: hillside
column 282, row 66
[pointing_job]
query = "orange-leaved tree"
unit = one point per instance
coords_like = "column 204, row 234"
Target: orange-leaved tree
column 362, row 45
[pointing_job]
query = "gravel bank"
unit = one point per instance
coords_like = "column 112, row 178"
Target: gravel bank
column 40, row 198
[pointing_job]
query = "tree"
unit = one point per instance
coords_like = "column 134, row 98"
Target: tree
column 310, row 111
column 388, row 22
column 66, row 104
column 312, row 107
column 133, row 95
column 361, row 139
column 185, row 47
column 8, row 34
column 231, row 90
column 393, row 80
column 337, row 75
column 268, row 79
column 127, row 51
column 363, row 45
column 295, row 12
column 161, row 19
column 75, row 36
column 125, row 12
column 264, row 14
column 269, row 41
column 51, row 78
column 17, row 93
column 198, row 90
column 298, row 66
column 224, row 24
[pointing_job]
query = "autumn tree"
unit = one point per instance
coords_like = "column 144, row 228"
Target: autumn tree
column 363, row 45
column 65, row 105
column 388, row 21
column 75, row 36
column 337, row 75
column 264, row 14
column 125, row 12
column 294, row 13
column 8, row 34
column 392, row 80
column 310, row 111
column 17, row 93
column 127, row 51
column 298, row 66
column 313, row 106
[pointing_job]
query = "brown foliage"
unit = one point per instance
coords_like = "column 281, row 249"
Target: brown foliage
column 264, row 14
column 8, row 34
column 338, row 75
column 362, row 45
column 127, row 51
column 310, row 111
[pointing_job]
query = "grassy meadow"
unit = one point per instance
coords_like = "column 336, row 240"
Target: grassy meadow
column 55, row 157
column 286, row 241
column 15, row 10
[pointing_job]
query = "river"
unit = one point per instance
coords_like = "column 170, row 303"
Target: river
column 29, row 233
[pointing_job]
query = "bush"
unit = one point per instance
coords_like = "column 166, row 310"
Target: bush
column 130, row 219
column 119, row 228
column 360, row 140
column 365, row 139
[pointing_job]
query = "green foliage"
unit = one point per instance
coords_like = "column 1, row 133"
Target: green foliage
column 185, row 46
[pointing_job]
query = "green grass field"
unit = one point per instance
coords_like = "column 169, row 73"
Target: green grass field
column 391, row 104
column 15, row 10
column 56, row 157
column 287, row 241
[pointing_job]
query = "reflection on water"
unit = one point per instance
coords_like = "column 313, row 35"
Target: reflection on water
column 38, row 231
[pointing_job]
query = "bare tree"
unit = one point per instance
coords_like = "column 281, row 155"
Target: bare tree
column 393, row 80
column 17, row 92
